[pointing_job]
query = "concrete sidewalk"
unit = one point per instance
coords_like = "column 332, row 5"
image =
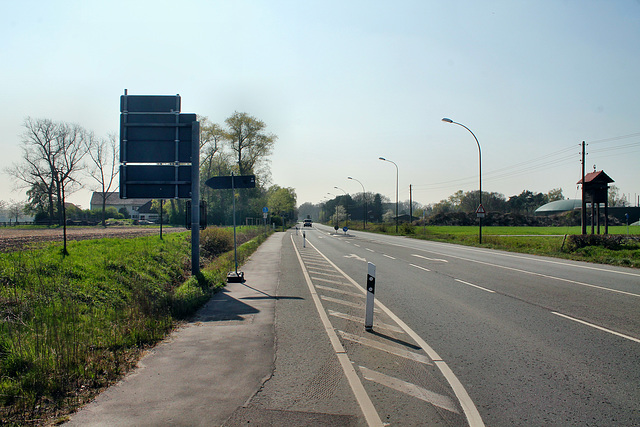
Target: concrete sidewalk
column 207, row 369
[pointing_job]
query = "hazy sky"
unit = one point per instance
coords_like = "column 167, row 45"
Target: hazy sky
column 342, row 83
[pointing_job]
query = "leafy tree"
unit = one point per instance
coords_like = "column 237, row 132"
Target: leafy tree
column 281, row 200
column 555, row 194
column 376, row 208
column 247, row 139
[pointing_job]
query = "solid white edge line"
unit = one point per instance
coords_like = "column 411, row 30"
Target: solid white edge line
column 468, row 407
column 597, row 327
column 366, row 406
column 475, row 286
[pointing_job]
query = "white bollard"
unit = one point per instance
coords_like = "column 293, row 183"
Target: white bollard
column 304, row 239
column 371, row 290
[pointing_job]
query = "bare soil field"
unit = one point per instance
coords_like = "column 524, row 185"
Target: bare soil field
column 13, row 239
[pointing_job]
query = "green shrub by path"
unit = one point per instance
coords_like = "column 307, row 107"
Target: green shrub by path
column 71, row 325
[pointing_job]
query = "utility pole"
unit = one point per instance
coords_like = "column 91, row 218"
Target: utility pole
column 583, row 212
column 410, row 205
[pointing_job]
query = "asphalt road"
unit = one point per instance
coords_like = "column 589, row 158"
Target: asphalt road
column 532, row 340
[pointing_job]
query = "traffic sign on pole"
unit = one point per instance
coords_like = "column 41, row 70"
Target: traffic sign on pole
column 480, row 212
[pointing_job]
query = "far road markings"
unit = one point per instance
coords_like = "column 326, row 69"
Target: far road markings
column 596, row 327
column 388, row 256
column 429, row 259
column 421, row 268
column 475, row 286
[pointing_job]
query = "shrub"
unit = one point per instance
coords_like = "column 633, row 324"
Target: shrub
column 215, row 241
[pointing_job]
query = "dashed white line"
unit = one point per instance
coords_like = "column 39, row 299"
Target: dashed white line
column 421, row 268
column 367, row 249
column 388, row 256
column 475, row 286
column 429, row 259
column 597, row 327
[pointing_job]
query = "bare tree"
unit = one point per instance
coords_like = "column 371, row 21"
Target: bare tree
column 103, row 167
column 52, row 160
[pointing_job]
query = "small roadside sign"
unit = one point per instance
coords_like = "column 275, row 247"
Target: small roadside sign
column 480, row 212
column 265, row 210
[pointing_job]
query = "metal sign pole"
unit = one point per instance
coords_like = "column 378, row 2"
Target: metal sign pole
column 195, row 198
column 235, row 244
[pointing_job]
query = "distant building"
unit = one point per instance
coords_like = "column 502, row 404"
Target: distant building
column 138, row 209
column 558, row 207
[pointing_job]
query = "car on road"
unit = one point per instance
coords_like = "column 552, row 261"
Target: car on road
column 308, row 223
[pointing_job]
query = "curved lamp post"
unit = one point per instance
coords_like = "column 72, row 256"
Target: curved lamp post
column 346, row 204
column 446, row 120
column 364, row 196
column 397, row 174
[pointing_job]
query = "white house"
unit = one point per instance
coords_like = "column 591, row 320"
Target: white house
column 139, row 209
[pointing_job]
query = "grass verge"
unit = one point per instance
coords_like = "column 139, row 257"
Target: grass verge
column 72, row 325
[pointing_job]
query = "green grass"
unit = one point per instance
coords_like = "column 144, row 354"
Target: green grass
column 72, row 325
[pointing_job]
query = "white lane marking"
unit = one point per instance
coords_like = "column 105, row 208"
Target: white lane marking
column 388, row 256
column 410, row 389
column 322, row 273
column 321, row 279
column 378, row 325
column 364, row 401
column 406, row 354
column 367, row 249
column 421, row 268
column 339, row 301
column 339, row 291
column 548, row 261
column 546, row 276
column 429, row 259
column 597, row 327
column 356, row 245
column 475, row 286
column 354, row 256
column 468, row 407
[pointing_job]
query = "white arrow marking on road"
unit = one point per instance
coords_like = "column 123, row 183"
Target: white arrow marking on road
column 430, row 259
column 435, row 399
column 356, row 257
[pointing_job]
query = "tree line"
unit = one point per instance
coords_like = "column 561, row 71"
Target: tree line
column 59, row 158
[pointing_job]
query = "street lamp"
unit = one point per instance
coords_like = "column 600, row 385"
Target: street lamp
column 335, row 197
column 446, row 120
column 364, row 196
column 397, row 174
column 346, row 203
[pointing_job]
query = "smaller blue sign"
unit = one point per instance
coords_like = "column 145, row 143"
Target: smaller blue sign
column 345, row 229
column 265, row 209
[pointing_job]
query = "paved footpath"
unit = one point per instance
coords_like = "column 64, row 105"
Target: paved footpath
column 206, row 370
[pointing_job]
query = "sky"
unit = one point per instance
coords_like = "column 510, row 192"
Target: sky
column 342, row 83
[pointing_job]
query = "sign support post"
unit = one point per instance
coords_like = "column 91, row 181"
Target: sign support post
column 195, row 198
